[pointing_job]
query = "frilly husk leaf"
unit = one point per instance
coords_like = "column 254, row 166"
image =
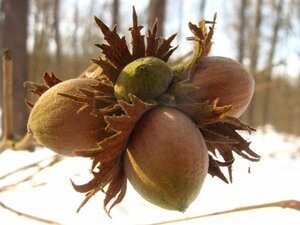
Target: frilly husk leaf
column 138, row 42
column 222, row 136
column 107, row 172
column 49, row 80
column 203, row 42
column 100, row 97
column 218, row 130
column 117, row 187
column 117, row 55
column 181, row 87
column 203, row 113
column 110, row 151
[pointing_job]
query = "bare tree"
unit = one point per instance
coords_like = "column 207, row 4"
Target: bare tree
column 40, row 60
column 255, row 39
column 157, row 10
column 1, row 44
column 242, row 28
column 91, row 23
column 89, row 30
column 75, row 39
column 202, row 8
column 254, row 53
column 274, row 38
column 57, row 37
column 14, row 38
column 278, row 6
column 115, row 12
column 1, row 21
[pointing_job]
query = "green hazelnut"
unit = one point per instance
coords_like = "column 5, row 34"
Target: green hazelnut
column 147, row 78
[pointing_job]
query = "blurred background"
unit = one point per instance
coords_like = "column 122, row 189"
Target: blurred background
column 59, row 36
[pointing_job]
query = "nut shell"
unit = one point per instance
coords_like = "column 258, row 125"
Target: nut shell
column 56, row 123
column 166, row 160
column 224, row 78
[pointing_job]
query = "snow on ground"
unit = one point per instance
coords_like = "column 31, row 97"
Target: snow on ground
column 272, row 179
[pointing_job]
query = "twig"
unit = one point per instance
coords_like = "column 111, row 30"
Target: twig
column 21, row 169
column 28, row 215
column 291, row 204
column 39, row 168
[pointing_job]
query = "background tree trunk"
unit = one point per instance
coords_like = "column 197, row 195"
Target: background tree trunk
column 40, row 59
column 157, row 10
column 14, row 38
column 254, row 55
column 1, row 23
column 1, row 50
column 242, row 28
column 202, row 8
column 75, row 40
column 255, row 39
column 274, row 39
column 57, row 37
column 115, row 12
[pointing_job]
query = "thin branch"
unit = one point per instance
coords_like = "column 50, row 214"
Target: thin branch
column 291, row 204
column 19, row 213
column 24, row 168
column 38, row 168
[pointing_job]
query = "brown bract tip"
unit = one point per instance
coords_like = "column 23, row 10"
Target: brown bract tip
column 117, row 54
column 108, row 158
